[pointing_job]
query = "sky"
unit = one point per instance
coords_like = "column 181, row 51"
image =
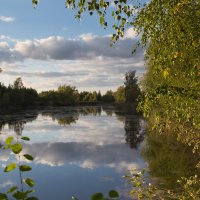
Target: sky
column 48, row 47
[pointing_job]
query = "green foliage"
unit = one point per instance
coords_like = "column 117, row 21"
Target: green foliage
column 29, row 182
column 131, row 87
column 32, row 198
column 190, row 188
column 9, row 140
column 3, row 197
column 12, row 189
column 10, row 167
column 108, row 97
column 170, row 101
column 97, row 196
column 142, row 189
column 65, row 95
column 25, row 168
column 113, row 194
column 130, row 91
column 122, row 13
column 17, row 193
column 28, row 157
column 120, row 95
column 25, row 138
column 16, row 148
column 17, row 95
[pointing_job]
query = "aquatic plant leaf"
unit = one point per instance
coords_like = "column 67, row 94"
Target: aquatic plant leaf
column 9, row 140
column 3, row 196
column 25, row 168
column 97, row 196
column 25, row 138
column 32, row 198
column 16, row 148
column 10, row 167
column 20, row 195
column 28, row 157
column 113, row 194
column 29, row 182
column 12, row 189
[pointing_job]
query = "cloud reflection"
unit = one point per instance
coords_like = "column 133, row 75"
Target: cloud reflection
column 86, row 155
column 87, row 137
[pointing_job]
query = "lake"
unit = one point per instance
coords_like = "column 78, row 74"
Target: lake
column 77, row 150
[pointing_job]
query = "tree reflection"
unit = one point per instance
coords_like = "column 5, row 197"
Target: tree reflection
column 17, row 126
column 108, row 111
column 168, row 159
column 69, row 115
column 17, row 121
column 133, row 126
column 134, row 133
column 62, row 118
column 95, row 111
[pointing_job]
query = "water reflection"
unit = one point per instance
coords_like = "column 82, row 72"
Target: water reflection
column 169, row 160
column 85, row 155
column 84, row 141
column 134, row 131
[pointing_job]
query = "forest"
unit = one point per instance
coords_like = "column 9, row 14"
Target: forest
column 18, row 95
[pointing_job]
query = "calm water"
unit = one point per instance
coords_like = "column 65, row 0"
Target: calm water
column 77, row 151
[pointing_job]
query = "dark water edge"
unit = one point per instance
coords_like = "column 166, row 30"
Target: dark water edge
column 128, row 107
column 8, row 113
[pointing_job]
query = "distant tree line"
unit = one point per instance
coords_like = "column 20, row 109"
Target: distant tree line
column 19, row 95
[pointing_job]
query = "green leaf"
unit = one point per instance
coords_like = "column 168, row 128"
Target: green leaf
column 7, row 146
column 9, row 140
column 32, row 198
column 74, row 198
column 34, row 2
column 3, row 196
column 97, row 196
column 25, row 138
column 28, row 157
column 10, row 167
column 29, row 191
column 16, row 148
column 25, row 168
column 12, row 189
column 113, row 194
column 29, row 182
column 20, row 195
column 101, row 20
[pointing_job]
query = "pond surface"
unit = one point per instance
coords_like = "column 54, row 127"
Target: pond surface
column 77, row 150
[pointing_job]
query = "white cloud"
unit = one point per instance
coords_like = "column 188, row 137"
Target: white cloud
column 6, row 184
column 6, row 19
column 87, row 37
column 4, row 45
column 130, row 33
column 87, row 62
column 86, row 47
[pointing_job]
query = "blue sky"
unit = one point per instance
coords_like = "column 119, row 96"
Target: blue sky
column 48, row 47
